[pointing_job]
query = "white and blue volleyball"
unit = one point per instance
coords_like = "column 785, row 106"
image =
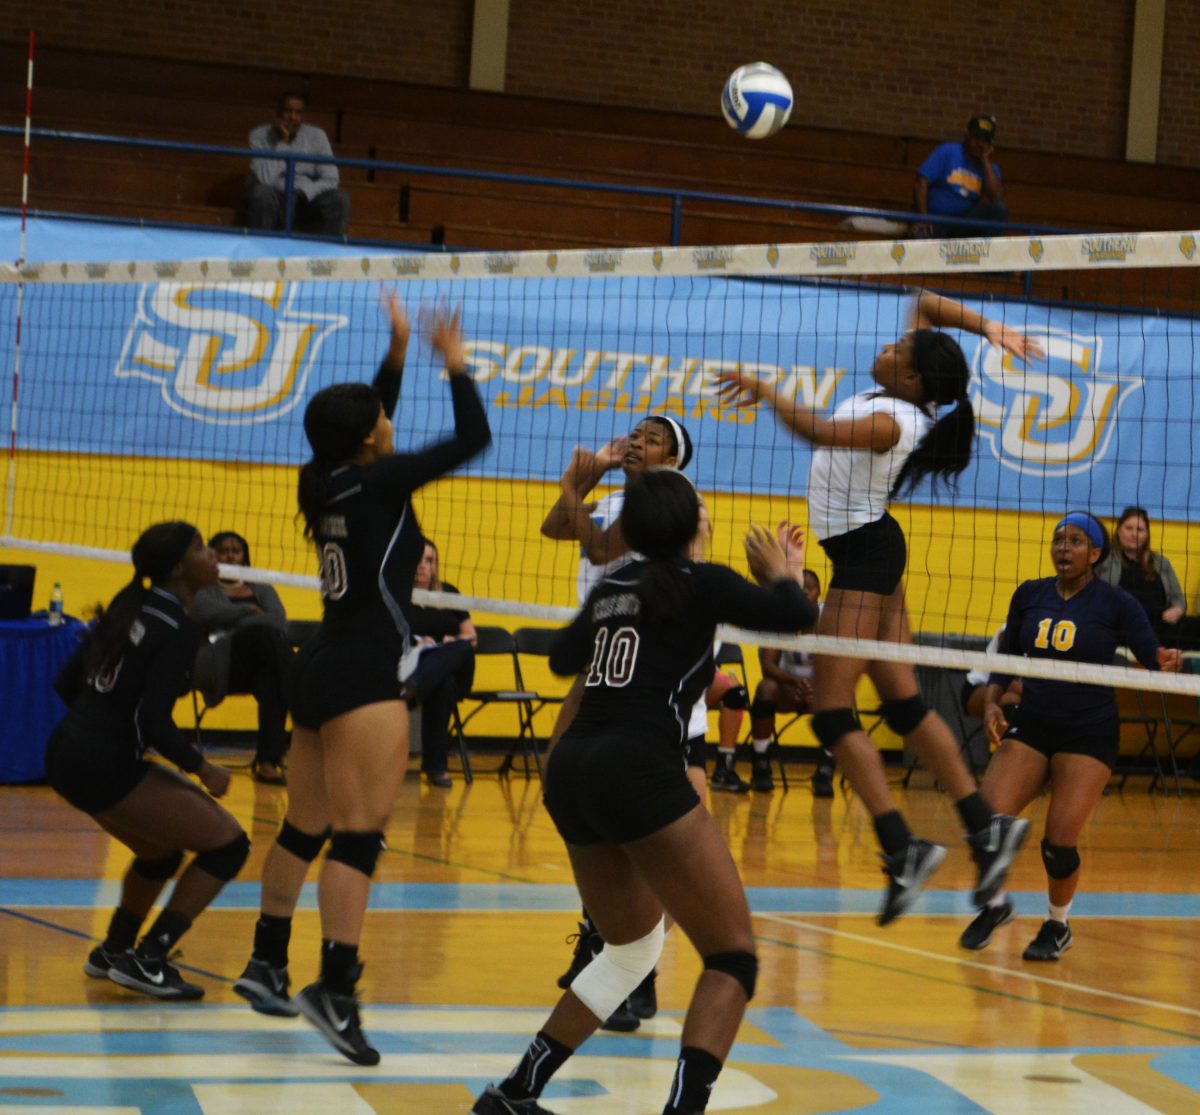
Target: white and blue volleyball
column 757, row 100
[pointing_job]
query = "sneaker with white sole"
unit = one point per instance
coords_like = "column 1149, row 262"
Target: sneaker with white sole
column 97, row 964
column 987, row 921
column 993, row 850
column 495, row 1102
column 153, row 976
column 907, row 872
column 266, row 989
column 1052, row 940
column 336, row 1016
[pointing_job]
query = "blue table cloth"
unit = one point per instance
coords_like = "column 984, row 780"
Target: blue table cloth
column 31, row 655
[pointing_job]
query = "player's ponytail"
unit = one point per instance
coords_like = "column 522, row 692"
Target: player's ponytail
column 945, row 451
column 658, row 521
column 155, row 554
column 336, row 422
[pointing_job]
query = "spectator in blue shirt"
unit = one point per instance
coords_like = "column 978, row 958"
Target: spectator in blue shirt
column 961, row 180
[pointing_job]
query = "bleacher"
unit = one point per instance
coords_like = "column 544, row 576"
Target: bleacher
column 79, row 91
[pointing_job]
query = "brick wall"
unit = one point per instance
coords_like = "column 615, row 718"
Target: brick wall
column 1056, row 74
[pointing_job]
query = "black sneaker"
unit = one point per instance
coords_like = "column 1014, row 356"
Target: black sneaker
column 644, row 999
column 587, row 944
column 98, row 963
column 622, row 1020
column 907, row 871
column 266, row 989
column 1052, row 941
column 760, row 775
column 988, row 920
column 726, row 779
column 151, row 975
column 993, row 851
column 336, row 1016
column 495, row 1102
column 822, row 782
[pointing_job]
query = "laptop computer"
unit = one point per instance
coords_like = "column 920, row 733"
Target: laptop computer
column 16, row 590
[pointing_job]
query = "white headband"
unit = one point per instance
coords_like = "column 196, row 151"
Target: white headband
column 680, row 443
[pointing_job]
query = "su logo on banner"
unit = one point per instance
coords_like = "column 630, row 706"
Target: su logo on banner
column 227, row 353
column 1055, row 416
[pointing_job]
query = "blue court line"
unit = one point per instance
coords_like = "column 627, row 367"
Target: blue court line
column 88, row 894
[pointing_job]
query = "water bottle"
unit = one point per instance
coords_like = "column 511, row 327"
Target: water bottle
column 55, row 615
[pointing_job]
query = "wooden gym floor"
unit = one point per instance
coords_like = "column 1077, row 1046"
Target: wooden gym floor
column 466, row 936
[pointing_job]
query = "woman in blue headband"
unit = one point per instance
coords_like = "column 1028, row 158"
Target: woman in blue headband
column 1068, row 732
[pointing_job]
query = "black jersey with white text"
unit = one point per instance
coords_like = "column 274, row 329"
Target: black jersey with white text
column 643, row 677
column 1086, row 628
column 128, row 709
column 369, row 540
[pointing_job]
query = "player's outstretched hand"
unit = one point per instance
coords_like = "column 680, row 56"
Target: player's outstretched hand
column 442, row 327
column 580, row 473
column 612, row 454
column 1169, row 660
column 739, row 389
column 767, row 560
column 1012, row 340
column 397, row 317
column 791, row 541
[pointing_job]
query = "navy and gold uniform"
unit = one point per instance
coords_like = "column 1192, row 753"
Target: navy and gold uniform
column 94, row 756
column 618, row 773
column 1070, row 716
column 369, row 543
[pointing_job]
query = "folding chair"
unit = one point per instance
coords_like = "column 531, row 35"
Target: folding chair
column 500, row 643
column 1134, row 707
column 534, row 642
column 730, row 654
column 1178, row 711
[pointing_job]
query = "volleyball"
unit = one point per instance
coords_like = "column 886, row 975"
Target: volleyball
column 757, row 100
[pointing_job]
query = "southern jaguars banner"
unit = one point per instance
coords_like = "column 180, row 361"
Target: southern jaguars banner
column 215, row 363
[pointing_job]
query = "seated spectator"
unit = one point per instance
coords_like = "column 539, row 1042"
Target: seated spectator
column 445, row 667
column 961, row 180
column 1150, row 579
column 786, row 686
column 247, row 651
column 318, row 203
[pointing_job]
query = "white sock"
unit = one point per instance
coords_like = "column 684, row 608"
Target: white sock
column 760, row 745
column 1059, row 913
column 999, row 900
column 726, row 751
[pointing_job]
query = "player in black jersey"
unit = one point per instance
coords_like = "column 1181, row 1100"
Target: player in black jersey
column 874, row 446
column 639, row 839
column 1068, row 733
column 121, row 687
column 350, row 740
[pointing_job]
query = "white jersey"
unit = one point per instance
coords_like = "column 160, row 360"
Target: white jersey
column 605, row 513
column 848, row 488
column 979, row 677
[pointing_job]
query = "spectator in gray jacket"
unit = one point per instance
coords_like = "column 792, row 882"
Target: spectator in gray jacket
column 1148, row 576
column 319, row 204
column 247, row 651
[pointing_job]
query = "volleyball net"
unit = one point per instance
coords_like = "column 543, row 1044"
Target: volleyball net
column 158, row 389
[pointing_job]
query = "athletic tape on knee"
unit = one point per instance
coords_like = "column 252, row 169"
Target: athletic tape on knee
column 616, row 970
column 831, row 724
column 743, row 966
column 156, row 870
column 226, row 861
column 303, row 845
column 1061, row 861
column 358, row 850
column 904, row 715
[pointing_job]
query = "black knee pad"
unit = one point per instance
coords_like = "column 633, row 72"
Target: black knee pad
column 743, row 966
column 303, row 845
column 156, row 870
column 762, row 709
column 226, row 861
column 735, row 697
column 831, row 724
column 358, row 850
column 1061, row 861
column 904, row 715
